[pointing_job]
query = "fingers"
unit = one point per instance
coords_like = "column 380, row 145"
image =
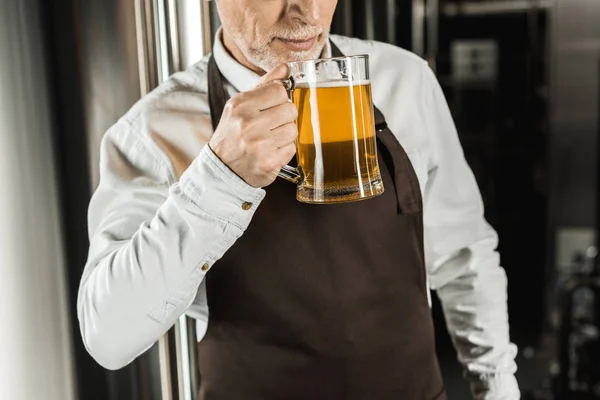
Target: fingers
column 270, row 90
column 286, row 153
column 282, row 71
column 257, row 135
column 284, row 135
column 270, row 95
column 280, row 115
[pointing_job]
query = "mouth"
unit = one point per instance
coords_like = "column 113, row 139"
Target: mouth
column 299, row 45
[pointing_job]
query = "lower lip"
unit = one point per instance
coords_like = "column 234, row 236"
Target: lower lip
column 299, row 45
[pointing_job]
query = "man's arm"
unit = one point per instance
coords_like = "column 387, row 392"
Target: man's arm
column 463, row 265
column 153, row 239
column 150, row 241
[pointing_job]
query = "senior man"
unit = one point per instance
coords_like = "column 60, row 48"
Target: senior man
column 294, row 301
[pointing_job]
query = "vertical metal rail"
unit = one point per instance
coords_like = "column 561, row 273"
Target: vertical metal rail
column 391, row 22
column 161, row 40
column 36, row 350
column 425, row 29
column 432, row 26
column 369, row 20
column 206, row 27
column 418, row 27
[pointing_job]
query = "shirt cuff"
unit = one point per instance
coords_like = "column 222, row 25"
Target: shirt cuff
column 212, row 186
column 494, row 386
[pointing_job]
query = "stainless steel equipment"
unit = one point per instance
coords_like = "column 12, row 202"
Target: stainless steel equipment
column 103, row 57
column 576, row 135
column 109, row 53
column 36, row 355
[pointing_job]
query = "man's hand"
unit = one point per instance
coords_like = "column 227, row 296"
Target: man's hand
column 257, row 133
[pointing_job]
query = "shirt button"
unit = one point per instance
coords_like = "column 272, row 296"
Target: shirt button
column 205, row 267
column 246, row 206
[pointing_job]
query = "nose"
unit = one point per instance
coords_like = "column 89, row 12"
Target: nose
column 305, row 11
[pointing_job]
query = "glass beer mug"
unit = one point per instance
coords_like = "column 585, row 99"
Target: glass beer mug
column 336, row 145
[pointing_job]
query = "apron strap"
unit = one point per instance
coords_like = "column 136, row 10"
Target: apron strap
column 406, row 183
column 217, row 95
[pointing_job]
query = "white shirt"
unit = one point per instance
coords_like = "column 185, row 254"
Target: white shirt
column 167, row 209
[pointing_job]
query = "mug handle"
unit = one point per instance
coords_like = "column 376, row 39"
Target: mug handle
column 287, row 172
column 291, row 174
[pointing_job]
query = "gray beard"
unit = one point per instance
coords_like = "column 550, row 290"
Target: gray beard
column 265, row 62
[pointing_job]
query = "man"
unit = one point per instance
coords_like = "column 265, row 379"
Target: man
column 294, row 301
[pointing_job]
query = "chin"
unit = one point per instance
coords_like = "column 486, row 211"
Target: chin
column 302, row 56
column 314, row 53
column 278, row 55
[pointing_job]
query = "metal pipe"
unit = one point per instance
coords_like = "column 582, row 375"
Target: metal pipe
column 493, row 7
column 161, row 32
column 207, row 34
column 189, row 15
column 597, row 260
column 369, row 20
column 145, row 37
column 154, row 67
column 168, row 366
column 182, row 346
column 347, row 17
column 36, row 354
column 391, row 21
column 172, row 29
column 433, row 18
column 166, row 33
column 193, row 351
column 418, row 24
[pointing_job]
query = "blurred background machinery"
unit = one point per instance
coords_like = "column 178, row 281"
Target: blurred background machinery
column 522, row 78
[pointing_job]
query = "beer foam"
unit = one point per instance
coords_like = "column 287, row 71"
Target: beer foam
column 333, row 83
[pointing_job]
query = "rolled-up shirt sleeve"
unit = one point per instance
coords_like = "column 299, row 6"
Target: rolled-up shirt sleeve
column 462, row 262
column 152, row 240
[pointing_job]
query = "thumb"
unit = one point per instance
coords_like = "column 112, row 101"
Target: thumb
column 282, row 71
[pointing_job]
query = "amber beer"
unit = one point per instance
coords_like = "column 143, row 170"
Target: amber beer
column 337, row 149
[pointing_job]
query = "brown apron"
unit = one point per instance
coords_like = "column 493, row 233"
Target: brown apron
column 323, row 302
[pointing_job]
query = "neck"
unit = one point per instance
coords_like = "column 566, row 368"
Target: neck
column 236, row 53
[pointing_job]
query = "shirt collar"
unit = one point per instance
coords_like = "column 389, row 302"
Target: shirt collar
column 240, row 77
